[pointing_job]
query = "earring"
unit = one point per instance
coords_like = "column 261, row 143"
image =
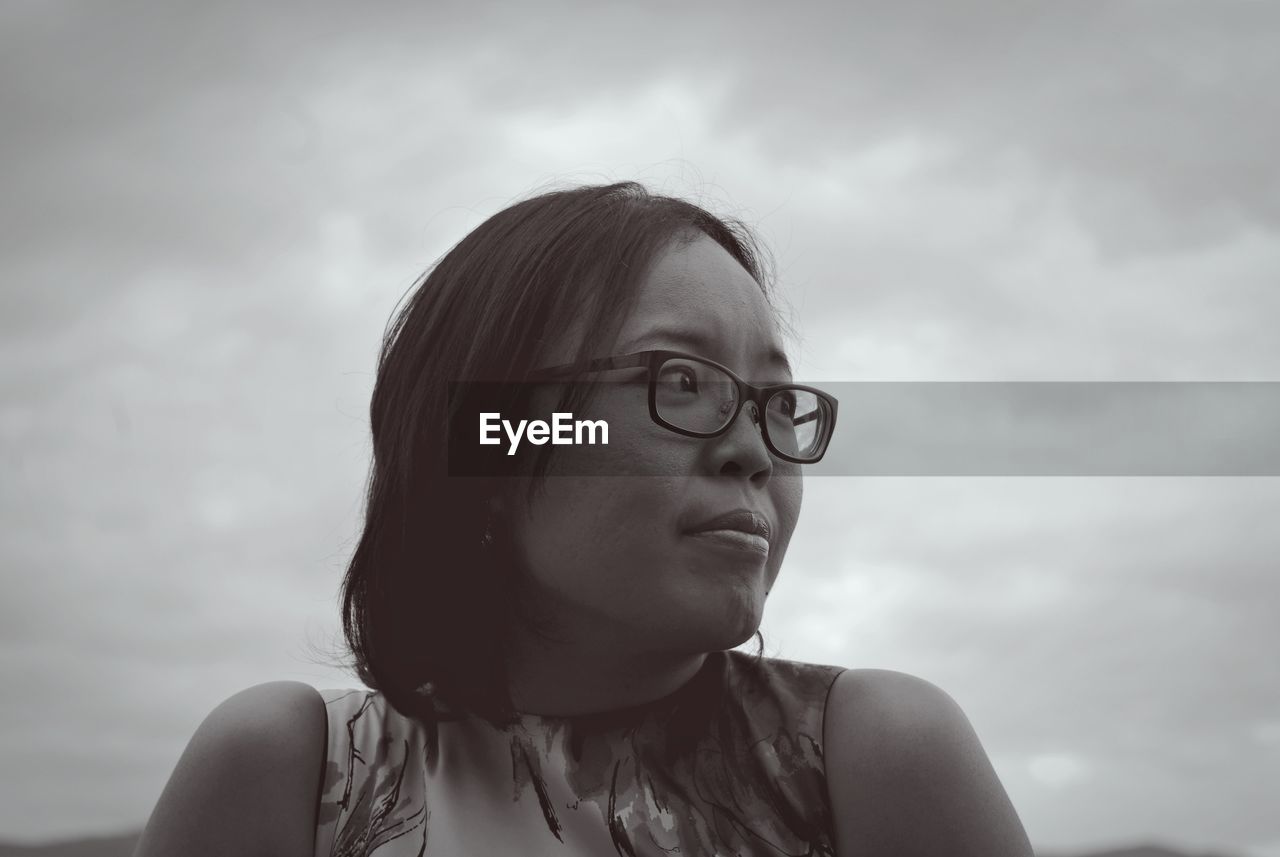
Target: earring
column 487, row 539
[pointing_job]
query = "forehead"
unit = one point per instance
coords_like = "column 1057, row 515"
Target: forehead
column 699, row 295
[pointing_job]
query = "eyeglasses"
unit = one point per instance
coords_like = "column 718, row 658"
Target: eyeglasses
column 697, row 397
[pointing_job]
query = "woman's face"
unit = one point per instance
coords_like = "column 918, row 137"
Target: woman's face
column 607, row 554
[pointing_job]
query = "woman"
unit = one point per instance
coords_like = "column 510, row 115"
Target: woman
column 549, row 633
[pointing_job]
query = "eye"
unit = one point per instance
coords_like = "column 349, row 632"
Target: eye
column 683, row 375
column 785, row 402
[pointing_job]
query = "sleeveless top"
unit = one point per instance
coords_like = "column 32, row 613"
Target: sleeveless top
column 731, row 763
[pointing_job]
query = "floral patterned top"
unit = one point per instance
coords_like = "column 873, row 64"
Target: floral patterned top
column 731, row 763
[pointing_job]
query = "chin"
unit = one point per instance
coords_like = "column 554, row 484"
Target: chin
column 728, row 630
column 706, row 620
column 733, row 642
column 740, row 639
column 694, row 633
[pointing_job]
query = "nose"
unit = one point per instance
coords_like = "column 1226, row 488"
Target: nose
column 745, row 451
column 749, row 406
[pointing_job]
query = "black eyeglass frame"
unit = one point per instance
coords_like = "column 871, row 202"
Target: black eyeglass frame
column 653, row 359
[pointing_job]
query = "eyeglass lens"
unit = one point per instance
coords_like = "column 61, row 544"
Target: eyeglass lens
column 699, row 397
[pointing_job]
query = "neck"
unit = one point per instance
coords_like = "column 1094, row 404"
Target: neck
column 589, row 676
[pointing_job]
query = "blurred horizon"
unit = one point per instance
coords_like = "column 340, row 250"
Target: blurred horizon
column 123, row 845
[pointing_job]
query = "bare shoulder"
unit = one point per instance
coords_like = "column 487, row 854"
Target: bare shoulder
column 907, row 774
column 867, row 702
column 248, row 779
column 270, row 709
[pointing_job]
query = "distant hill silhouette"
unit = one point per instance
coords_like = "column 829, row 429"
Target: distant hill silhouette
column 123, row 845
column 102, row 846
column 1136, row 851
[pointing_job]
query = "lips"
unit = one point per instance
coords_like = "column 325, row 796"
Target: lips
column 742, row 520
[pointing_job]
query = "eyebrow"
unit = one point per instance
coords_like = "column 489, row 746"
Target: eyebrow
column 703, row 341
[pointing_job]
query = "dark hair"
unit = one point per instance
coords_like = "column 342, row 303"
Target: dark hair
column 422, row 600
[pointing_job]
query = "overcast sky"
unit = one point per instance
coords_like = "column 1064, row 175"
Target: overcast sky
column 210, row 211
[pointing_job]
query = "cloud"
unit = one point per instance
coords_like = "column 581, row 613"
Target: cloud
column 210, row 213
column 1121, row 624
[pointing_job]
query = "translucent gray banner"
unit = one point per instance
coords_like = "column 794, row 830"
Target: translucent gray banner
column 1056, row 428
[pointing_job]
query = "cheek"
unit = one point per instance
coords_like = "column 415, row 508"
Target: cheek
column 587, row 528
column 637, row 448
column 787, row 490
column 792, row 486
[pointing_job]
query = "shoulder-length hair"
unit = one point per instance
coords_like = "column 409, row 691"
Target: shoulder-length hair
column 422, row 600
